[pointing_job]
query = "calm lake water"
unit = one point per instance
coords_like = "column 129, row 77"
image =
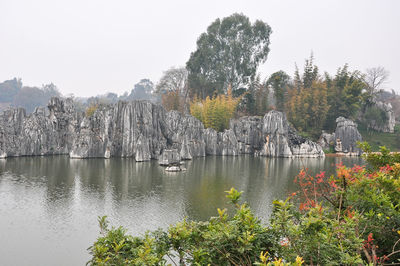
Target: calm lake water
column 49, row 205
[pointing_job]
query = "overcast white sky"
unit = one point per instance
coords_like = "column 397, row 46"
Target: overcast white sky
column 94, row 46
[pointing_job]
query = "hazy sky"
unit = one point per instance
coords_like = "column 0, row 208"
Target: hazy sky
column 91, row 47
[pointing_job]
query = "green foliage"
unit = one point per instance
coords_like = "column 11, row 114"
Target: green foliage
column 379, row 159
column 307, row 105
column 316, row 235
column 91, row 109
column 379, row 198
column 227, row 54
column 375, row 115
column 223, row 240
column 377, row 139
column 362, row 204
column 307, row 108
column 115, row 247
column 345, row 96
column 315, row 102
column 234, row 195
column 254, row 101
column 215, row 112
column 279, row 81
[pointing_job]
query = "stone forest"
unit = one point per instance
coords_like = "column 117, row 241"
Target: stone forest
column 219, row 162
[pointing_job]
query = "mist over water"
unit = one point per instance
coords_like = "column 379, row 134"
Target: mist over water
column 49, row 205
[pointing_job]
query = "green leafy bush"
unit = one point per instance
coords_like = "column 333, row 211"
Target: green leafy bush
column 240, row 239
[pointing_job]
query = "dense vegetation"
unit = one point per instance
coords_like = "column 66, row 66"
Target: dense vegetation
column 215, row 112
column 228, row 54
column 349, row 218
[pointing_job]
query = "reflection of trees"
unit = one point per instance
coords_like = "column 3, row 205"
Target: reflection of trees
column 262, row 180
column 207, row 179
column 51, row 174
column 143, row 196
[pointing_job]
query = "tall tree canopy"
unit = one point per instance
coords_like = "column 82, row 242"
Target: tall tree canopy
column 279, row 82
column 228, row 54
column 307, row 105
column 344, row 95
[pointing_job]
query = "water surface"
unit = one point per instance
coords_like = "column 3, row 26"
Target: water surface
column 49, row 205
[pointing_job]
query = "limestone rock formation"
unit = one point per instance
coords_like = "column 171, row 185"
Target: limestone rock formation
column 221, row 143
column 326, row 140
column 185, row 133
column 282, row 141
column 248, row 131
column 39, row 133
column 127, row 129
column 302, row 147
column 169, row 157
column 387, row 123
column 347, row 135
column 144, row 131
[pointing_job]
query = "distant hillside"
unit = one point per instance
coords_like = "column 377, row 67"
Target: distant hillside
column 14, row 94
column 143, row 90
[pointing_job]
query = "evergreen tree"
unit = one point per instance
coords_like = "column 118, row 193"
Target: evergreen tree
column 345, row 95
column 280, row 82
column 228, row 54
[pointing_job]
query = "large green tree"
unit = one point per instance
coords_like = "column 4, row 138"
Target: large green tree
column 279, row 82
column 228, row 54
column 307, row 106
column 344, row 95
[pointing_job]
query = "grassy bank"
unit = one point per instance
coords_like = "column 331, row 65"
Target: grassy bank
column 376, row 139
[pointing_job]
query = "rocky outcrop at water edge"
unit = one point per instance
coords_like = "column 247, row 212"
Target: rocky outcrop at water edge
column 144, row 131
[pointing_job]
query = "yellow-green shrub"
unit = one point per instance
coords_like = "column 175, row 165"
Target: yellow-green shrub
column 91, row 109
column 215, row 112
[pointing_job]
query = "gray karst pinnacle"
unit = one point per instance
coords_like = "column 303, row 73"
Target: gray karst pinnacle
column 143, row 130
column 347, row 136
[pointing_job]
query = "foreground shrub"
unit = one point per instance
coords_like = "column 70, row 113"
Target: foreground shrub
column 358, row 208
column 240, row 239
